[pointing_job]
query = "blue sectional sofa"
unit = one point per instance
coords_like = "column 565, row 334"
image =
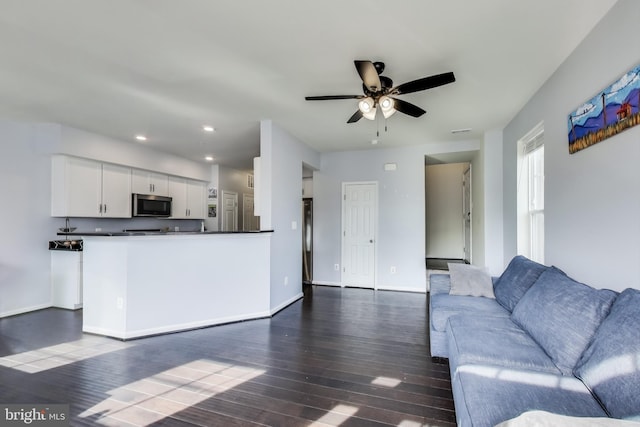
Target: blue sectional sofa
column 541, row 342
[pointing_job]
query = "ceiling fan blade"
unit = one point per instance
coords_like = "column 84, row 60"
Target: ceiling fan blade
column 356, row 116
column 369, row 75
column 407, row 108
column 424, row 83
column 330, row 97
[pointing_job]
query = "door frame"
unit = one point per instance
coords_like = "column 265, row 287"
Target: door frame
column 467, row 183
column 375, row 230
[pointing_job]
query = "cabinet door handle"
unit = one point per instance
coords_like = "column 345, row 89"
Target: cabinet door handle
column 100, row 208
column 105, row 208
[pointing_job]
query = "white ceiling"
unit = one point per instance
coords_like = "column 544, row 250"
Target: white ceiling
column 164, row 68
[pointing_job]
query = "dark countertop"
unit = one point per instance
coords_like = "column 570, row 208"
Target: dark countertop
column 155, row 233
column 65, row 245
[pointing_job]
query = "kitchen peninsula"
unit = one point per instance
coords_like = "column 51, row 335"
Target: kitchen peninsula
column 140, row 284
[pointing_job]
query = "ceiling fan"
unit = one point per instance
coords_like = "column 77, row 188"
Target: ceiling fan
column 379, row 92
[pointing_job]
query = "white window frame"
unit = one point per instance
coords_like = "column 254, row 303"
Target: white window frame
column 531, row 194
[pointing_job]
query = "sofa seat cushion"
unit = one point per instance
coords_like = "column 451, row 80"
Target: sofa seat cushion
column 562, row 315
column 610, row 366
column 494, row 341
column 444, row 306
column 547, row 419
column 516, row 279
column 487, row 395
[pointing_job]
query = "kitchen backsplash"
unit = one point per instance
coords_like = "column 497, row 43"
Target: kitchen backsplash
column 119, row 224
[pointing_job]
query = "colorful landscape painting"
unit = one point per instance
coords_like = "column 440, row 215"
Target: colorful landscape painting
column 606, row 114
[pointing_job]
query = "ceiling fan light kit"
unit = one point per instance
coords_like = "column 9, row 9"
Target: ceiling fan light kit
column 366, row 105
column 387, row 105
column 378, row 88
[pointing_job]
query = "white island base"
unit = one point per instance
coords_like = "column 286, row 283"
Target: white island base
column 136, row 286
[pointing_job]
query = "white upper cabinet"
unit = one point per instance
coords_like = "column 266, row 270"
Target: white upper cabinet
column 116, row 191
column 196, row 199
column 147, row 182
column 188, row 198
column 87, row 188
column 178, row 194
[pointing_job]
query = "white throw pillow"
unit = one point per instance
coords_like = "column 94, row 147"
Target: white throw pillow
column 470, row 280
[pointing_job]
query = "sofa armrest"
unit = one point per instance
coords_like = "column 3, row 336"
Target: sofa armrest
column 439, row 284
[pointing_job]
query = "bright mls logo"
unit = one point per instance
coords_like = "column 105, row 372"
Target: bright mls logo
column 34, row 415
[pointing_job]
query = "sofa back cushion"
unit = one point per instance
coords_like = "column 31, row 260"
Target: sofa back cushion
column 562, row 315
column 518, row 277
column 610, row 367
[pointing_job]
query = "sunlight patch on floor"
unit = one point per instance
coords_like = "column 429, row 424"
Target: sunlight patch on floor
column 159, row 396
column 336, row 416
column 61, row 354
column 386, row 382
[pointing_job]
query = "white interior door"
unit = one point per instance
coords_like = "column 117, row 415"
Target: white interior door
column 229, row 211
column 360, row 211
column 249, row 220
column 466, row 213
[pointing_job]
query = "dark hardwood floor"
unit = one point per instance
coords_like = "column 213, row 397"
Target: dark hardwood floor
column 348, row 357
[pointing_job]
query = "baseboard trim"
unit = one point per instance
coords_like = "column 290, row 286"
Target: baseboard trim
column 286, row 304
column 25, row 310
column 402, row 289
column 140, row 333
column 322, row 283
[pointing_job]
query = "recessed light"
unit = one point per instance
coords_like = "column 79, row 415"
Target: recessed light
column 208, row 128
column 463, row 130
column 208, row 158
column 141, row 137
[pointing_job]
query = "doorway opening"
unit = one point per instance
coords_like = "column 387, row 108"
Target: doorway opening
column 307, row 224
column 448, row 209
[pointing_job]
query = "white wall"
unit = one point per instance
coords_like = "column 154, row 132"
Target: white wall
column 591, row 197
column 25, row 173
column 489, row 168
column 401, row 220
column 282, row 156
column 445, row 232
column 212, row 224
column 93, row 146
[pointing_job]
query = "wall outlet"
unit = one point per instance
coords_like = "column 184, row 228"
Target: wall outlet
column 336, row 267
column 286, row 280
column 120, row 303
column 294, row 225
column 393, row 269
column 98, row 229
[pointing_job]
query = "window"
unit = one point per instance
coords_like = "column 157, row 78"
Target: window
column 531, row 195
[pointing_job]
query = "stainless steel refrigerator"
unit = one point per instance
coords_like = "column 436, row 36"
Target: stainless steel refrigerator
column 307, row 241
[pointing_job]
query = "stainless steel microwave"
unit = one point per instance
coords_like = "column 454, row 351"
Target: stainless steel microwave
column 151, row 205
